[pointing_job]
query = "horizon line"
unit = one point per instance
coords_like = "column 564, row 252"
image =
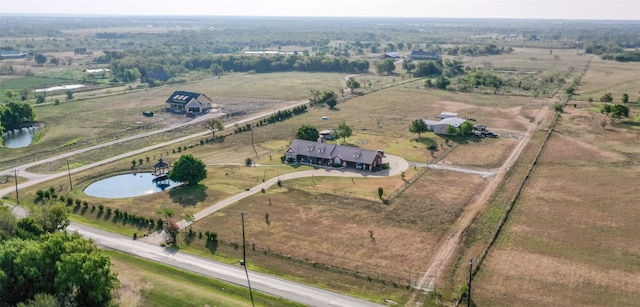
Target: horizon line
column 24, row 14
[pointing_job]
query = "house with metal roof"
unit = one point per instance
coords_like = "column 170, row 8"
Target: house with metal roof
column 420, row 55
column 188, row 102
column 324, row 154
column 440, row 126
column 12, row 54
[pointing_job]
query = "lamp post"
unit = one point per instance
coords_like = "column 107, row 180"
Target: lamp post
column 244, row 260
column 469, row 287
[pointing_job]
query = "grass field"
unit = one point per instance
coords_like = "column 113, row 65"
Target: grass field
column 145, row 283
column 572, row 238
column 612, row 77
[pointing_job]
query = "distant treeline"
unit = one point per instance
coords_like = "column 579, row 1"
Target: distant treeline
column 613, row 52
column 175, row 65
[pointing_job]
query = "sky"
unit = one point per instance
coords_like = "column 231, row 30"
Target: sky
column 536, row 9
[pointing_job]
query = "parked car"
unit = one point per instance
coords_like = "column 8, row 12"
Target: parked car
column 492, row 135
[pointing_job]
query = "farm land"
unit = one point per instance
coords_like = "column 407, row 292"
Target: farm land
column 334, row 232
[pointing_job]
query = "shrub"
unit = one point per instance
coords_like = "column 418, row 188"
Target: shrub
column 78, row 202
column 108, row 210
column 85, row 204
column 100, row 207
column 69, row 201
column 248, row 162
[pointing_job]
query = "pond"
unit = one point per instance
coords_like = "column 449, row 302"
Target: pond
column 18, row 138
column 59, row 87
column 129, row 185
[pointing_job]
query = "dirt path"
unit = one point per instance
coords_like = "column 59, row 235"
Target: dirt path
column 446, row 251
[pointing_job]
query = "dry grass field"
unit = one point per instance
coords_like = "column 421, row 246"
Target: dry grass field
column 572, row 237
column 334, row 230
column 612, row 77
column 532, row 60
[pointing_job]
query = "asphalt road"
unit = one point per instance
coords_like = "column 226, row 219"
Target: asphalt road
column 233, row 274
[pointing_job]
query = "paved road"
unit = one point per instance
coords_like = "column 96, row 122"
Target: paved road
column 234, row 274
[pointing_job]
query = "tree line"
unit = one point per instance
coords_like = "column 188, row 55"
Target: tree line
column 124, row 64
column 14, row 114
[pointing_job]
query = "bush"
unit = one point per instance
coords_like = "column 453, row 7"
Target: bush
column 100, row 207
column 248, row 162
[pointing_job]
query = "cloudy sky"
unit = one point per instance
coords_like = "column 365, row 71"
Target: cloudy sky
column 545, row 9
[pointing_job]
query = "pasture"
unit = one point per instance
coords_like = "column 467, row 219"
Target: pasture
column 612, row 77
column 571, row 239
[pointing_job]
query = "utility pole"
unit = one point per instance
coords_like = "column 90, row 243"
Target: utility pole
column 69, row 173
column 469, row 287
column 15, row 177
column 244, row 261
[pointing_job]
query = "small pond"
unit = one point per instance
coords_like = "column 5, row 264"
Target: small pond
column 129, row 185
column 17, row 138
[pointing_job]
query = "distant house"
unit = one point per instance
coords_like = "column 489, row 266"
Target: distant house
column 444, row 115
column 332, row 154
column 420, row 55
column 440, row 127
column 156, row 74
column 188, row 102
column 12, row 54
column 392, row 55
column 79, row 50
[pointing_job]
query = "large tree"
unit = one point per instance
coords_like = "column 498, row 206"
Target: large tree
column 418, row 126
column 63, row 264
column 214, row 125
column 40, row 58
column 189, row 170
column 352, row 84
column 344, row 131
column 307, row 132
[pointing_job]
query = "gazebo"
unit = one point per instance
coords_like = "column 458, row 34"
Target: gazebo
column 161, row 168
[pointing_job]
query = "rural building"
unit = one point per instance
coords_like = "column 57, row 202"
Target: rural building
column 440, row 127
column 79, row 50
column 444, row 115
column 420, row 55
column 188, row 103
column 11, row 54
column 392, row 55
column 332, row 154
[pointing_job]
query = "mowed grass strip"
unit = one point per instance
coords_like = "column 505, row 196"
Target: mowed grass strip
column 146, row 283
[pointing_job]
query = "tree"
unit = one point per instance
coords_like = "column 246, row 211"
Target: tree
column 8, row 224
column 352, row 84
column 10, row 94
column 625, row 98
column 385, row 67
column 63, row 264
column 214, row 125
column 130, row 75
column 40, row 58
column 418, row 126
column 52, row 219
column 380, row 193
column 466, row 127
column 308, row 132
column 189, row 170
column 41, row 300
column 441, row 82
column 606, row 108
column 55, row 61
column 69, row 94
column 344, row 131
column 619, row 110
column 408, row 65
column 557, row 106
column 606, row 98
